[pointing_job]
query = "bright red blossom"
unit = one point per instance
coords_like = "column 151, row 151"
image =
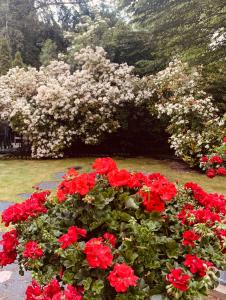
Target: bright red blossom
column 80, row 184
column 119, row 178
column 104, row 165
column 122, row 277
column 157, row 191
column 111, row 238
column 32, row 250
column 211, row 173
column 32, row 207
column 221, row 171
column 197, row 265
column 71, row 236
column 52, row 291
column 9, row 243
column 216, row 159
column 97, row 254
column 179, row 279
column 189, row 237
column 204, row 159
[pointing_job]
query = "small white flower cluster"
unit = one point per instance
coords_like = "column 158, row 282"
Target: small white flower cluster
column 218, row 39
column 194, row 124
column 52, row 107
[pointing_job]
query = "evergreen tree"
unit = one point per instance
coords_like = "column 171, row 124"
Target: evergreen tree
column 5, row 56
column 18, row 60
column 48, row 52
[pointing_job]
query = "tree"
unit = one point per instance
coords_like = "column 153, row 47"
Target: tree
column 191, row 29
column 48, row 52
column 5, row 56
column 18, row 60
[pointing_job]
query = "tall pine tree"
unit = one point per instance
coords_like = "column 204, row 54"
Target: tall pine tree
column 5, row 56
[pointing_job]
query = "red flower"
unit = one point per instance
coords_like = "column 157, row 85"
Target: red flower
column 137, row 180
column 80, row 184
column 51, row 289
column 7, row 258
column 33, row 291
column 151, row 201
column 71, row 236
column 189, row 237
column 197, row 265
column 211, row 201
column 97, row 254
column 119, row 178
column 221, row 171
column 122, row 277
column 32, row 250
column 224, row 139
column 104, row 165
column 216, row 159
column 210, row 173
column 32, row 207
column 204, row 159
column 9, row 241
column 179, row 279
column 70, row 293
column 111, row 238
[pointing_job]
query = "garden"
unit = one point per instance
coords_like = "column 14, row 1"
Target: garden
column 113, row 148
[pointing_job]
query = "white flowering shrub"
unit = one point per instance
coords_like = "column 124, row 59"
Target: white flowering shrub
column 52, row 107
column 194, row 124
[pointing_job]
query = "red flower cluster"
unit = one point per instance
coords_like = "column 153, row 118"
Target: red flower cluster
column 111, row 238
column 9, row 243
column 122, row 277
column 104, row 165
column 32, row 207
column 71, row 236
column 189, row 237
column 52, row 292
column 214, row 164
column 214, row 202
column 156, row 192
column 32, row 250
column 179, row 279
column 191, row 216
column 119, row 178
column 98, row 255
column 80, row 184
column 197, row 265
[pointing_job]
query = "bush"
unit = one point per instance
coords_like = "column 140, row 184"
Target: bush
column 112, row 234
column 195, row 125
column 52, row 107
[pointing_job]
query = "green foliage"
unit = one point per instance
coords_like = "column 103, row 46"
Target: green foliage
column 5, row 56
column 184, row 28
column 18, row 60
column 48, row 52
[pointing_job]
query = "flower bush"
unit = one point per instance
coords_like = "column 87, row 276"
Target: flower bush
column 115, row 234
column 215, row 163
column 53, row 107
column 194, row 123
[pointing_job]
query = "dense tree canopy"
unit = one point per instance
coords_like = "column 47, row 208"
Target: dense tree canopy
column 193, row 29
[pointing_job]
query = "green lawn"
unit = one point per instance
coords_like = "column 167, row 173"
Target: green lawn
column 18, row 176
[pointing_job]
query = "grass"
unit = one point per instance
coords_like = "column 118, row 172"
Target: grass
column 18, row 176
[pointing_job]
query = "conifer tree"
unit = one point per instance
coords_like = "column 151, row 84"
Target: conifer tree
column 18, row 60
column 48, row 52
column 5, row 56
